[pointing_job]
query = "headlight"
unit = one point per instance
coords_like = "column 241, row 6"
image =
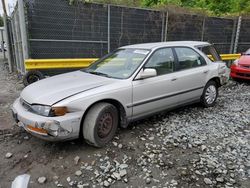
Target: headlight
column 41, row 109
column 49, row 111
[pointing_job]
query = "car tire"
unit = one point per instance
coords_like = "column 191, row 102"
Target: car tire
column 210, row 94
column 100, row 124
column 32, row 76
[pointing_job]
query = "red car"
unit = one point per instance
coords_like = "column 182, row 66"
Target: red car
column 240, row 69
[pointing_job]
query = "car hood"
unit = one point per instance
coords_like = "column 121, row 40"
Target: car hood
column 244, row 60
column 51, row 90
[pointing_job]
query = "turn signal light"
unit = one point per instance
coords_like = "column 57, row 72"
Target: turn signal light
column 59, row 111
column 36, row 129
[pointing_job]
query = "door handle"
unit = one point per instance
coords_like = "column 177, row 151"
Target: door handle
column 205, row 71
column 173, row 79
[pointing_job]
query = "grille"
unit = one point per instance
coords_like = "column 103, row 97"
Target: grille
column 243, row 74
column 26, row 105
column 245, row 66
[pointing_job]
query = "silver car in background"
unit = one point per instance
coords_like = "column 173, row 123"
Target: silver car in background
column 126, row 85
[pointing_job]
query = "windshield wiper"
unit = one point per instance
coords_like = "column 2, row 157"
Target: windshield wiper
column 100, row 74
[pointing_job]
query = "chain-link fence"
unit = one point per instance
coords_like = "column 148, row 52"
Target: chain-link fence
column 55, row 29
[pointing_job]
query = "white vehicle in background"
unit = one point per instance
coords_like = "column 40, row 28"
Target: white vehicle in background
column 126, row 85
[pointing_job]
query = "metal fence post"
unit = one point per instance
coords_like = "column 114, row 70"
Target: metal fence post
column 203, row 28
column 166, row 28
column 19, row 43
column 7, row 42
column 233, row 37
column 162, row 26
column 14, row 33
column 23, row 30
column 237, row 35
column 108, row 28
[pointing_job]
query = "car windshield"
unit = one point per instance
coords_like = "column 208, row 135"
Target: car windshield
column 120, row 64
column 247, row 52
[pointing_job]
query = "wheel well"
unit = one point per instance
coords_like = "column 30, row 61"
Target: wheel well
column 217, row 80
column 121, row 111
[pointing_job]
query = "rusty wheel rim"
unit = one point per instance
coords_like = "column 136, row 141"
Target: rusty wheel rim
column 105, row 125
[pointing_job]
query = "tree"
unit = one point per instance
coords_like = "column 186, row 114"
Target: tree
column 218, row 7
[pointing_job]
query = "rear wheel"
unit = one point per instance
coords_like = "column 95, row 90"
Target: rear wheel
column 210, row 94
column 100, row 124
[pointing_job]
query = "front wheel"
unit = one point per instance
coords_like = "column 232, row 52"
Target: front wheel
column 100, row 124
column 210, row 94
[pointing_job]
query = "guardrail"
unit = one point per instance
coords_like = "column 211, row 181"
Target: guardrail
column 226, row 57
column 39, row 64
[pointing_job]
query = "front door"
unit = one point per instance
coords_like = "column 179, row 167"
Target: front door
column 156, row 93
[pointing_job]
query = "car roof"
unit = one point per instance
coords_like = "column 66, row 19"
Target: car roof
column 150, row 46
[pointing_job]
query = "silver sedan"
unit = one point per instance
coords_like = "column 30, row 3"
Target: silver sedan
column 126, row 85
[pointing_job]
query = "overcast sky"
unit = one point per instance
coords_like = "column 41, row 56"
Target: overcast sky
column 9, row 5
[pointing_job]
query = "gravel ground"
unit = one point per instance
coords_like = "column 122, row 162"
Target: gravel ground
column 187, row 147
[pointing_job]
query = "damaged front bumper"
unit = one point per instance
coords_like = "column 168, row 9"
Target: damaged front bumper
column 58, row 128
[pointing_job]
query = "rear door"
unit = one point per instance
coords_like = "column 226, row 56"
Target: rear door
column 192, row 74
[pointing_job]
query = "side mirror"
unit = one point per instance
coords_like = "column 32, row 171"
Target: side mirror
column 147, row 73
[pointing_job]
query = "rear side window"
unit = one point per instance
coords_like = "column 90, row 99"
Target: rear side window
column 162, row 61
column 211, row 53
column 188, row 58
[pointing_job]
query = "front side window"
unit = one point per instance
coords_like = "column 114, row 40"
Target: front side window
column 120, row 64
column 162, row 61
column 188, row 58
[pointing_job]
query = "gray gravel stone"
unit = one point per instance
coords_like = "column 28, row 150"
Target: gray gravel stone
column 148, row 180
column 68, row 179
column 78, row 173
column 8, row 155
column 220, row 179
column 123, row 173
column 76, row 160
column 41, row 180
column 106, row 183
column 123, row 166
column 208, row 181
column 117, row 175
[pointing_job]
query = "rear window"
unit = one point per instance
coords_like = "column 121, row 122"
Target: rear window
column 211, row 53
